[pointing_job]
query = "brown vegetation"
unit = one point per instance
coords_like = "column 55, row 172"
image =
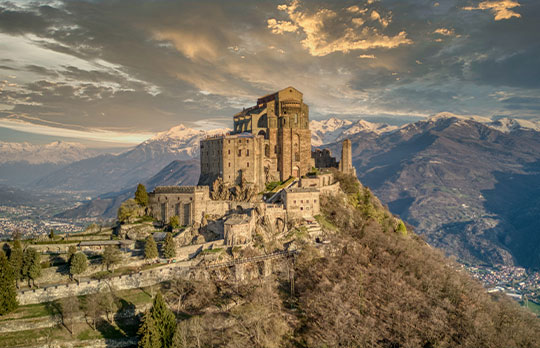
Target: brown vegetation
column 374, row 286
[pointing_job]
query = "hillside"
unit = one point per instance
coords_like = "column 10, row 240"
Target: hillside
column 467, row 187
column 371, row 286
column 372, row 283
column 109, row 173
column 106, row 205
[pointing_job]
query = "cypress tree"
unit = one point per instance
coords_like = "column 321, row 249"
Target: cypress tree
column 141, row 196
column 78, row 264
column 8, row 293
column 164, row 319
column 31, row 267
column 148, row 332
column 16, row 260
column 169, row 247
column 150, row 248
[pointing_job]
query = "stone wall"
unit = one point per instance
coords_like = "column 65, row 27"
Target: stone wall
column 135, row 280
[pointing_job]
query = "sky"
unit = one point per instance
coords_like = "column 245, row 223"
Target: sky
column 115, row 72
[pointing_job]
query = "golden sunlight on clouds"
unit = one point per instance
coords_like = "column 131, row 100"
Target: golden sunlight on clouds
column 190, row 44
column 499, row 8
column 118, row 138
column 321, row 41
column 375, row 16
column 281, row 27
column 366, row 56
column 444, row 31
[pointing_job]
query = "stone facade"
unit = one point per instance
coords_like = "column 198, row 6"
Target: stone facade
column 189, row 203
column 276, row 134
column 301, row 202
column 233, row 158
column 238, row 229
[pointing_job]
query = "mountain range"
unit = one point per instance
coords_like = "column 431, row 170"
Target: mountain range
column 469, row 187
column 468, row 184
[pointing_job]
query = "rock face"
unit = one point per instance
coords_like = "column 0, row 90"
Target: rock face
column 135, row 231
column 466, row 186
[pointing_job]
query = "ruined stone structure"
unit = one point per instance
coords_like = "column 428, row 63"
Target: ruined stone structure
column 345, row 165
column 271, row 141
column 323, row 158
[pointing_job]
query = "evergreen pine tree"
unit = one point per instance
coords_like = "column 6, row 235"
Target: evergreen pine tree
column 16, row 260
column 148, row 332
column 8, row 293
column 169, row 247
column 78, row 264
column 51, row 234
column 150, row 248
column 141, row 197
column 31, row 268
column 164, row 319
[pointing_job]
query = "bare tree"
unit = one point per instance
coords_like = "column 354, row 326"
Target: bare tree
column 69, row 307
column 93, row 310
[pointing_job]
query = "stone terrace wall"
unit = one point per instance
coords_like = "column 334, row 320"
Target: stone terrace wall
column 124, row 282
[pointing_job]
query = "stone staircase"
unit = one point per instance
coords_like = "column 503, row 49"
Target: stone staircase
column 313, row 228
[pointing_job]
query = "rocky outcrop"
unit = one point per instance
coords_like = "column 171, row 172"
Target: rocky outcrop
column 135, row 231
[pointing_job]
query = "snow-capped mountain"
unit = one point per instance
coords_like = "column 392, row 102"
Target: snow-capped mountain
column 57, row 152
column 504, row 125
column 334, row 129
column 106, row 173
column 180, row 141
column 507, row 125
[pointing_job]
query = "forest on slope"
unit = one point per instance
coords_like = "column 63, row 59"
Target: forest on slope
column 374, row 285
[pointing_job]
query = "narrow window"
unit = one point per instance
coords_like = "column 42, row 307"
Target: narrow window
column 239, row 153
column 229, row 164
column 248, row 164
column 247, row 152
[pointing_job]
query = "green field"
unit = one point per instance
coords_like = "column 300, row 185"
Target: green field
column 533, row 306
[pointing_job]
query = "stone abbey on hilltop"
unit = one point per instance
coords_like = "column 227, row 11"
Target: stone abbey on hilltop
column 270, row 143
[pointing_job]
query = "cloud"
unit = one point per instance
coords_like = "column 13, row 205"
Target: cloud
column 366, row 56
column 90, row 134
column 327, row 32
column 375, row 16
column 444, row 31
column 281, row 27
column 501, row 9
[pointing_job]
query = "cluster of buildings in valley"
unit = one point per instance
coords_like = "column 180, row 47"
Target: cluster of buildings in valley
column 517, row 282
column 30, row 223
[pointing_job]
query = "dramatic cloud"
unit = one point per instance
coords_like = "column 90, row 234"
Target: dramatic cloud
column 321, row 40
column 134, row 67
column 501, row 9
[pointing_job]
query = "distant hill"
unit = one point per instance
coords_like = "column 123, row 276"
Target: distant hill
column 469, row 186
column 106, row 205
column 22, row 163
column 108, row 173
